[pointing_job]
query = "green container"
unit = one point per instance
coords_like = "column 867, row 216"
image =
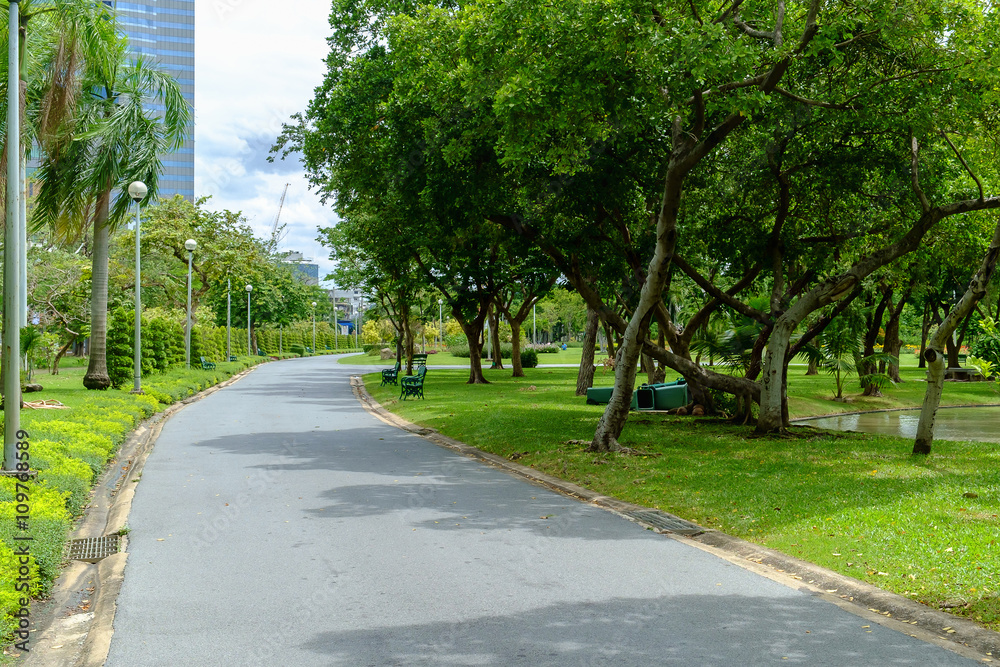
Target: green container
column 602, row 396
column 644, row 398
column 599, row 395
column 668, row 397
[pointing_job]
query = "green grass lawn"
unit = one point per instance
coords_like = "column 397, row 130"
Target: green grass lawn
column 858, row 504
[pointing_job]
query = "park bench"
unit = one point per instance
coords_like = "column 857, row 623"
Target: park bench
column 207, row 365
column 413, row 385
column 389, row 375
column 232, row 357
column 261, row 353
column 420, row 359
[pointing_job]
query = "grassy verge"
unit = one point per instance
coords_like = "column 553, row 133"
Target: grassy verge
column 69, row 448
column 568, row 356
column 923, row 527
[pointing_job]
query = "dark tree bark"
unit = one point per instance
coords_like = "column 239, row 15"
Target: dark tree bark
column 891, row 344
column 874, row 325
column 585, row 376
column 494, row 341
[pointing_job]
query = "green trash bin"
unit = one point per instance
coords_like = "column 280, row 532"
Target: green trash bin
column 602, row 396
column 644, row 398
column 599, row 395
column 668, row 397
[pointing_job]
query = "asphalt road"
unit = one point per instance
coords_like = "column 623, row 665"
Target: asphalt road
column 278, row 523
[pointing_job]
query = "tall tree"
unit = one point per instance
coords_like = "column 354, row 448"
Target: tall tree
column 111, row 140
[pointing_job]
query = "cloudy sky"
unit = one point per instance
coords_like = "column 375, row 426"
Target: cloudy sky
column 257, row 63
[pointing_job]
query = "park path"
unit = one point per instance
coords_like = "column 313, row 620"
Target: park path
column 278, row 523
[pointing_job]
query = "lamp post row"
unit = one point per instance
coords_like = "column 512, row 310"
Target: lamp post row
column 137, row 191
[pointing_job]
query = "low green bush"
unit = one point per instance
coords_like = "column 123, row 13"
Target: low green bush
column 529, row 358
column 546, row 349
column 300, row 350
column 462, row 351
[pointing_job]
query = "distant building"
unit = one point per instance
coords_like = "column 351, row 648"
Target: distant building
column 163, row 31
column 304, row 269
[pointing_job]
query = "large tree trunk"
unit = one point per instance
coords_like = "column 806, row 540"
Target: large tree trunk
column 59, row 355
column 871, row 337
column 585, row 376
column 515, row 346
column 891, row 344
column 494, row 341
column 771, row 419
column 935, row 359
column 404, row 317
column 951, row 352
column 609, row 339
column 97, row 370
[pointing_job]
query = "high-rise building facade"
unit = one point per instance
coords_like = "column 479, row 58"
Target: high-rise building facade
column 163, row 32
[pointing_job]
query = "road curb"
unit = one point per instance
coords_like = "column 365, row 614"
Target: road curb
column 868, row 601
column 69, row 634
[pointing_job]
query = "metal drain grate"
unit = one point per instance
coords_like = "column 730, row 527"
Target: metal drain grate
column 664, row 521
column 93, row 549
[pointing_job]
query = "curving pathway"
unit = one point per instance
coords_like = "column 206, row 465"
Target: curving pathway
column 278, row 523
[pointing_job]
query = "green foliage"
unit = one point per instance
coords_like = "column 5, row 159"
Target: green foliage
column 529, row 358
column 986, row 344
column 985, row 367
column 462, row 351
column 120, row 342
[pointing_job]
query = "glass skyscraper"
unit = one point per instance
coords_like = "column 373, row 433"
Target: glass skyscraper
column 163, row 32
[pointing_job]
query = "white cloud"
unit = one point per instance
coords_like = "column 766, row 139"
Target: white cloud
column 257, row 64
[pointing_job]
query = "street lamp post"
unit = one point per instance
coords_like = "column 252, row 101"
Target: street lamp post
column 229, row 345
column 12, row 432
column 440, row 323
column 534, row 331
column 190, row 245
column 249, row 344
column 314, row 327
column 137, row 191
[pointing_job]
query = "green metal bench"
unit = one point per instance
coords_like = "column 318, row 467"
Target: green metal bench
column 207, row 365
column 420, row 359
column 413, row 385
column 389, row 375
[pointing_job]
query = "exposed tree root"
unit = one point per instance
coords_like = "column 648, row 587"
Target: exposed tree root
column 614, row 447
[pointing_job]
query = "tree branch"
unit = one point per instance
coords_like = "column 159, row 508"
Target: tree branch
column 925, row 205
column 716, row 293
column 812, row 103
column 964, row 164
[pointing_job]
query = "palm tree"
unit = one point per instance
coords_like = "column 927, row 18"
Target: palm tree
column 110, row 141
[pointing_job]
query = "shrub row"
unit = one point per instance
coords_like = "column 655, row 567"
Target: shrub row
column 459, row 350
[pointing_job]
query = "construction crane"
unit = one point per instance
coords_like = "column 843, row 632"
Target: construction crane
column 277, row 232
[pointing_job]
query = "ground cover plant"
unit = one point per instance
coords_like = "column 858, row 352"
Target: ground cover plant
column 69, row 448
column 925, row 527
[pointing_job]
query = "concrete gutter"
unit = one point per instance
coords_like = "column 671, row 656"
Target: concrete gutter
column 869, row 602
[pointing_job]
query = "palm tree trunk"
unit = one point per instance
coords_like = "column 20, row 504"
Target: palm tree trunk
column 97, row 370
